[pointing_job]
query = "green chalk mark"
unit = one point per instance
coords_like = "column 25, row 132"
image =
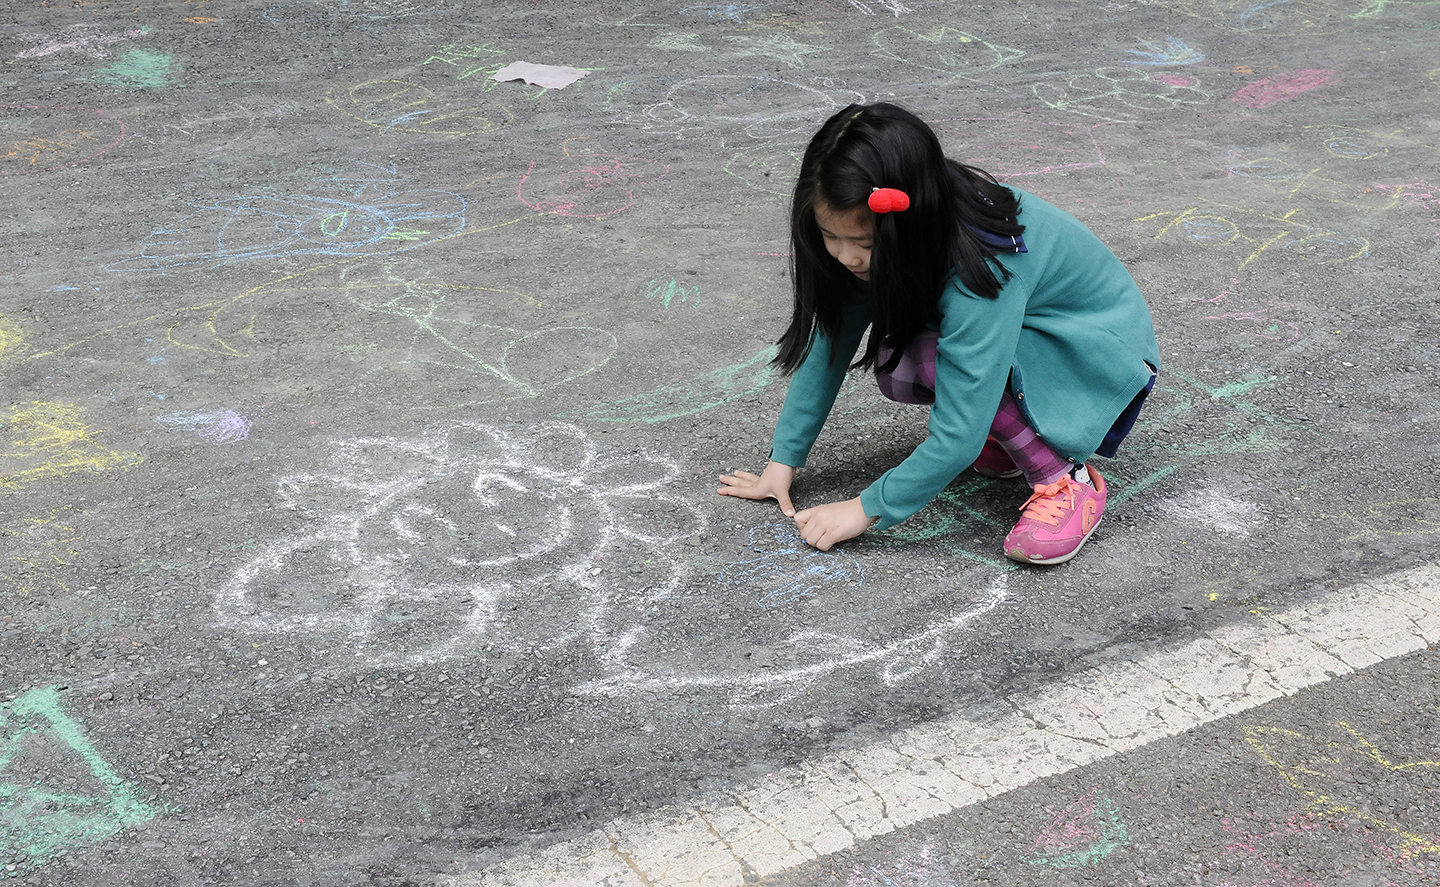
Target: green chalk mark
column 703, row 392
column 669, row 290
column 38, row 824
column 1142, row 484
column 334, row 223
column 1241, row 387
column 1083, row 834
column 405, row 234
column 1372, row 10
column 141, row 69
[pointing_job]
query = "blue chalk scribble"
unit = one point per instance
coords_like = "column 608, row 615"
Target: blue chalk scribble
column 1174, row 51
column 788, row 568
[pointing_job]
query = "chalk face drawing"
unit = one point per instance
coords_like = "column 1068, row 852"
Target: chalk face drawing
column 1120, row 95
column 47, row 440
column 362, row 222
column 402, row 106
column 687, row 397
column 943, row 50
column 788, row 569
column 82, row 39
column 1281, row 87
column 220, row 427
column 1082, row 834
column 141, row 69
column 602, row 184
column 756, row 107
column 1173, row 51
column 36, row 139
column 423, row 549
column 1337, row 774
column 41, row 818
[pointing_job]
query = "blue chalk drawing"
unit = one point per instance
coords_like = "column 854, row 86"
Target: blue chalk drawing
column 789, row 569
column 367, row 213
column 1174, row 51
column 40, row 820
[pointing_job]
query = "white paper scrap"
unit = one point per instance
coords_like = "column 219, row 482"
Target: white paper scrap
column 548, row 76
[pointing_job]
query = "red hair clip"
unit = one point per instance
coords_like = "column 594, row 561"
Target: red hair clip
column 886, row 200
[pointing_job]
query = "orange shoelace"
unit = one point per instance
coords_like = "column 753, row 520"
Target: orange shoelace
column 1049, row 503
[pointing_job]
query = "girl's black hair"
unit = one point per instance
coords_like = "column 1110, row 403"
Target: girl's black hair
column 915, row 252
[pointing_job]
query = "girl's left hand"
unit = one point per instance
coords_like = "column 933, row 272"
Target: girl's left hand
column 824, row 525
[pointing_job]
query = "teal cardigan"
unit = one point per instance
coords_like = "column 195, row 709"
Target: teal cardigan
column 1070, row 332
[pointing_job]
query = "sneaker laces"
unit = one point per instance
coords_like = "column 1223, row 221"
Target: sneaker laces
column 1050, row 502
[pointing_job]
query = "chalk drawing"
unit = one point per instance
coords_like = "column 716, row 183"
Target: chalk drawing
column 668, row 290
column 222, row 427
column 48, row 439
column 803, row 657
column 768, row 168
column 1292, row 180
column 302, row 12
column 470, row 60
column 777, row 46
column 944, row 50
column 758, row 107
column 1258, row 233
column 12, row 340
column 1084, row 833
column 910, row 866
column 1280, row 17
column 33, row 554
column 1332, row 774
column 1263, row 852
column 602, row 185
column 76, row 38
column 1173, row 51
column 423, row 549
column 1120, row 95
column 1281, row 87
column 40, row 819
column 1268, row 326
column 894, row 7
column 1396, row 517
column 1420, row 193
column 788, row 569
column 401, row 106
column 1214, row 509
column 141, row 69
column 732, row 12
column 239, row 229
column 678, row 43
column 686, row 398
column 41, row 139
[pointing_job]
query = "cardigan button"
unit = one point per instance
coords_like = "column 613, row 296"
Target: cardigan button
column 1020, row 396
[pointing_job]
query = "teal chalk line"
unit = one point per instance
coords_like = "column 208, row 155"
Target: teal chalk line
column 38, row 823
column 695, row 395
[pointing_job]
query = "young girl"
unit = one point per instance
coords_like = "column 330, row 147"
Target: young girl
column 1024, row 332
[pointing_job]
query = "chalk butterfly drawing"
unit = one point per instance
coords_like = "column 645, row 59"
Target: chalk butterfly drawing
column 419, row 550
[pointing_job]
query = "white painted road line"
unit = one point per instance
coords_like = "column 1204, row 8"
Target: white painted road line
column 806, row 812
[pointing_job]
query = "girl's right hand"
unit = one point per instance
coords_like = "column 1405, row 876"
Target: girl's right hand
column 773, row 484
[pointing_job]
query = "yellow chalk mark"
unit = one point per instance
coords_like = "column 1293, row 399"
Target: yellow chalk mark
column 39, row 545
column 12, row 338
column 48, row 439
column 1264, row 246
column 1308, row 764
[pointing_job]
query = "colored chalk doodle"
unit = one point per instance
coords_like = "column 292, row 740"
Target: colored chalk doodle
column 1260, row 851
column 48, row 439
column 35, row 552
column 1173, row 51
column 421, row 549
column 757, row 107
column 1338, row 773
column 788, row 569
column 56, row 791
column 588, row 183
column 907, row 866
column 1395, row 518
column 730, row 12
column 871, row 7
column 780, row 47
column 688, row 397
column 669, row 291
column 349, row 222
column 1281, row 87
column 1120, row 95
column 140, row 69
column 768, row 168
column 1281, row 175
column 402, row 106
column 82, row 39
column 35, row 139
column 220, row 427
column 302, row 13
column 12, row 340
column 470, row 61
column 944, row 50
column 1286, row 17
column 1082, row 834
column 1257, row 234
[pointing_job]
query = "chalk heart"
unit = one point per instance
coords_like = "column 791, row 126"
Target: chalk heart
column 419, row 549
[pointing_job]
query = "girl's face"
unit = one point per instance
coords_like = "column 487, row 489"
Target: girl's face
column 849, row 235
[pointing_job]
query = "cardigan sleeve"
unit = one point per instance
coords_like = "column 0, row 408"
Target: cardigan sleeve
column 974, row 354
column 814, row 386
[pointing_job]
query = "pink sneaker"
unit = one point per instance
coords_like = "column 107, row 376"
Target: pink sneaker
column 993, row 461
column 1058, row 518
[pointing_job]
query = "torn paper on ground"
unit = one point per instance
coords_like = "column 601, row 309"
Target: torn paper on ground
column 548, row 76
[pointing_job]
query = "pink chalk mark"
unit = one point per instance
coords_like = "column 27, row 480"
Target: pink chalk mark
column 1177, row 80
column 602, row 188
column 85, row 45
column 1281, row 87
